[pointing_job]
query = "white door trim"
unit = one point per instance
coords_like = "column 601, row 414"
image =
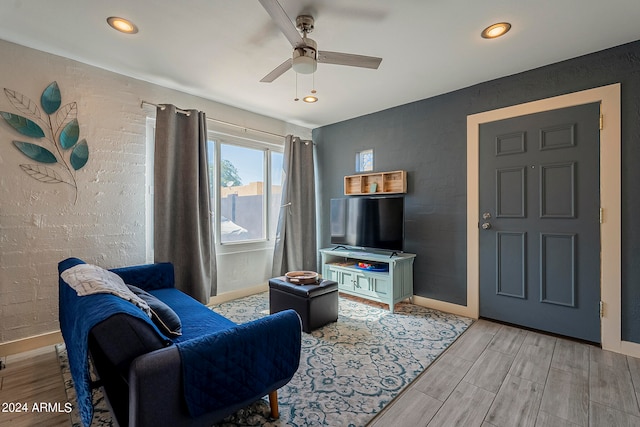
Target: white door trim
column 610, row 186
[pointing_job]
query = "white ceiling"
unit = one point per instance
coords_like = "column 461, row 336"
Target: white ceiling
column 220, row 49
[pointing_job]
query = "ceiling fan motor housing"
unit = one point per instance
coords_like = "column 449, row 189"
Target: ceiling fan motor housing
column 305, row 59
column 305, row 51
column 304, row 23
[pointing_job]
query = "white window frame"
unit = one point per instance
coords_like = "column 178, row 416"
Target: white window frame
column 268, row 148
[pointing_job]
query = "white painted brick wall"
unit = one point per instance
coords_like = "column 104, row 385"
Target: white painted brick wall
column 39, row 223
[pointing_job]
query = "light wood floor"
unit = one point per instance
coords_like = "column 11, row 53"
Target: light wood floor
column 33, row 377
column 494, row 375
column 498, row 375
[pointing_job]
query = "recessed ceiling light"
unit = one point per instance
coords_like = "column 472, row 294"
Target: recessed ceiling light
column 495, row 30
column 310, row 99
column 122, row 25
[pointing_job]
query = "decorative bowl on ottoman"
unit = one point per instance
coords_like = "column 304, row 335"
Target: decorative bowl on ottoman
column 302, row 277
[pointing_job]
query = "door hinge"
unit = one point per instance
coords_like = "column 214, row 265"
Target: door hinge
column 601, row 308
column 601, row 124
column 601, row 215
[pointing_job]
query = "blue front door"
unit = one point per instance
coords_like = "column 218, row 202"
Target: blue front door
column 540, row 221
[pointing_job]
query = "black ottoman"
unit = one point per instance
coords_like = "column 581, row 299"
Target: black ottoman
column 316, row 305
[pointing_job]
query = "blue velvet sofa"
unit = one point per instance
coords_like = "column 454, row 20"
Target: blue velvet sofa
column 150, row 379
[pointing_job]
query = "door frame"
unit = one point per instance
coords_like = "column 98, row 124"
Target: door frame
column 610, row 202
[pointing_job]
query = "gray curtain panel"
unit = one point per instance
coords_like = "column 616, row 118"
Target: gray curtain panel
column 182, row 204
column 295, row 247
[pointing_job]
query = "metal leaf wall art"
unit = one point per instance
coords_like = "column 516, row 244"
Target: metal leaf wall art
column 58, row 152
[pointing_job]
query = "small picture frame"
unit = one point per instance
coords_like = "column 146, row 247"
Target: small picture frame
column 364, row 160
column 373, row 187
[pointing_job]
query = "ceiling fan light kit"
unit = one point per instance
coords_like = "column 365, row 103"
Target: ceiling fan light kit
column 304, row 65
column 304, row 59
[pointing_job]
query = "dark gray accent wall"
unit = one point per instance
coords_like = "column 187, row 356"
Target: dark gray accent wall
column 428, row 139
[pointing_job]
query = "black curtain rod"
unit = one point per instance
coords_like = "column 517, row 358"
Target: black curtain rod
column 162, row 107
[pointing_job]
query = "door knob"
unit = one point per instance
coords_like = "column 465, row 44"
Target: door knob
column 486, row 226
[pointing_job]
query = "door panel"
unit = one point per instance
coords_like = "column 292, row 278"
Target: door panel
column 539, row 218
column 558, row 269
column 557, row 191
column 512, row 264
column 511, row 192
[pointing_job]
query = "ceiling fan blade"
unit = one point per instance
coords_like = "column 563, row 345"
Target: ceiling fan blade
column 283, row 22
column 277, row 72
column 352, row 60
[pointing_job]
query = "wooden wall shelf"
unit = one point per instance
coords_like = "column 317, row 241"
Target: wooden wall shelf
column 385, row 183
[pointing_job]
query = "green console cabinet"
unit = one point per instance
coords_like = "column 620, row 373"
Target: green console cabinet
column 375, row 276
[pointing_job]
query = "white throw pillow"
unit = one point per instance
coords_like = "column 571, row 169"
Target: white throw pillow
column 88, row 279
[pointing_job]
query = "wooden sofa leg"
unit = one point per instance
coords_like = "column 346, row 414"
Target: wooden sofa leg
column 273, row 403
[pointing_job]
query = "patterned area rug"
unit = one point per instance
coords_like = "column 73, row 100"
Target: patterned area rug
column 349, row 370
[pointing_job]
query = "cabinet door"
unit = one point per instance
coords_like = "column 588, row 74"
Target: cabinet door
column 343, row 277
column 346, row 280
column 361, row 284
column 370, row 285
column 333, row 274
column 380, row 286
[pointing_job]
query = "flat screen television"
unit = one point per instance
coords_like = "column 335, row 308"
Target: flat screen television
column 368, row 222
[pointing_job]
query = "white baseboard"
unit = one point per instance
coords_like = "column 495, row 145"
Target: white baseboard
column 627, row 348
column 228, row 296
column 30, row 343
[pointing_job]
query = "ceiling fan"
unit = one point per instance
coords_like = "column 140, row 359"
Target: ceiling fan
column 306, row 55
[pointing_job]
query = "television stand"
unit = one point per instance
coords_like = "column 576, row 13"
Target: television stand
column 389, row 282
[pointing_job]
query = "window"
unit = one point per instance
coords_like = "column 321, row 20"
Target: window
column 245, row 188
column 245, row 195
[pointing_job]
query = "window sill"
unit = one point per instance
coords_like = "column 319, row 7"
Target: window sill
column 243, row 247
